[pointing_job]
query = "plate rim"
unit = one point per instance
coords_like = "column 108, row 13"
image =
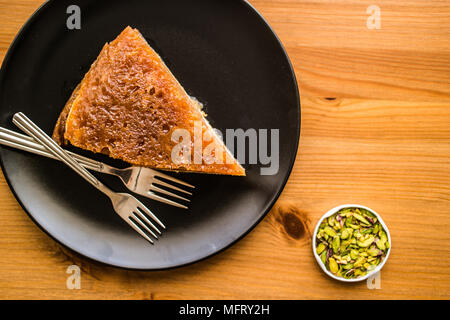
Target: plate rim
column 268, row 208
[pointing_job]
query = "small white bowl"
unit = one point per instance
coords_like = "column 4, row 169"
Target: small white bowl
column 330, row 213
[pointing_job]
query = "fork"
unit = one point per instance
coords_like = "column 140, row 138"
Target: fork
column 126, row 206
column 140, row 180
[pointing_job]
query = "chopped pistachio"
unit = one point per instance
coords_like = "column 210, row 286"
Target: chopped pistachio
column 376, row 229
column 320, row 248
column 351, row 243
column 329, row 231
column 361, row 218
column 331, row 221
column 380, row 244
column 323, row 257
column 345, row 234
column 336, row 244
column 366, row 242
column 348, row 266
column 333, row 265
column 383, row 236
column 373, row 252
column 354, row 254
column 359, row 262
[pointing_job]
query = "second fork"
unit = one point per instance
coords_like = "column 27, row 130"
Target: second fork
column 140, row 180
column 126, row 206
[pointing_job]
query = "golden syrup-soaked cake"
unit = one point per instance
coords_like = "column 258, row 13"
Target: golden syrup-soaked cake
column 129, row 104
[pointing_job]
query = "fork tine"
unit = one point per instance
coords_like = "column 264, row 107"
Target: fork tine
column 168, row 185
column 144, row 209
column 139, row 230
column 141, row 216
column 153, row 196
column 155, row 188
column 165, row 176
column 142, row 220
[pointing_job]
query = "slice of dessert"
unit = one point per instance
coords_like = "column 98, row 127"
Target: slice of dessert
column 130, row 107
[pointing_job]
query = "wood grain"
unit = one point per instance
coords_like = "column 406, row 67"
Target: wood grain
column 382, row 139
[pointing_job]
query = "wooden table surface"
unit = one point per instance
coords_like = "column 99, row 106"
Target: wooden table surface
column 375, row 131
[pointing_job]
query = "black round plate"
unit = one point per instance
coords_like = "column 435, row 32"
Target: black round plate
column 223, row 53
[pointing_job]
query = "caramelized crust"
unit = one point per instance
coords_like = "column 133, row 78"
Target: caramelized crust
column 60, row 128
column 128, row 105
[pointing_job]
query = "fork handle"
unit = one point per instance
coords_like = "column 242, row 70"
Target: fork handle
column 26, row 125
column 25, row 143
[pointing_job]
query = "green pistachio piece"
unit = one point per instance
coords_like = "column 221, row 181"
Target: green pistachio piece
column 345, row 234
column 320, row 248
column 373, row 252
column 346, row 243
column 323, row 257
column 348, row 266
column 367, row 213
column 350, row 232
column 358, row 273
column 333, row 265
column 336, row 244
column 376, row 229
column 329, row 231
column 361, row 218
column 354, row 254
column 383, row 236
column 341, row 261
column 366, row 242
column 380, row 244
column 343, row 249
column 331, row 221
column 357, row 234
column 348, row 222
column 359, row 262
